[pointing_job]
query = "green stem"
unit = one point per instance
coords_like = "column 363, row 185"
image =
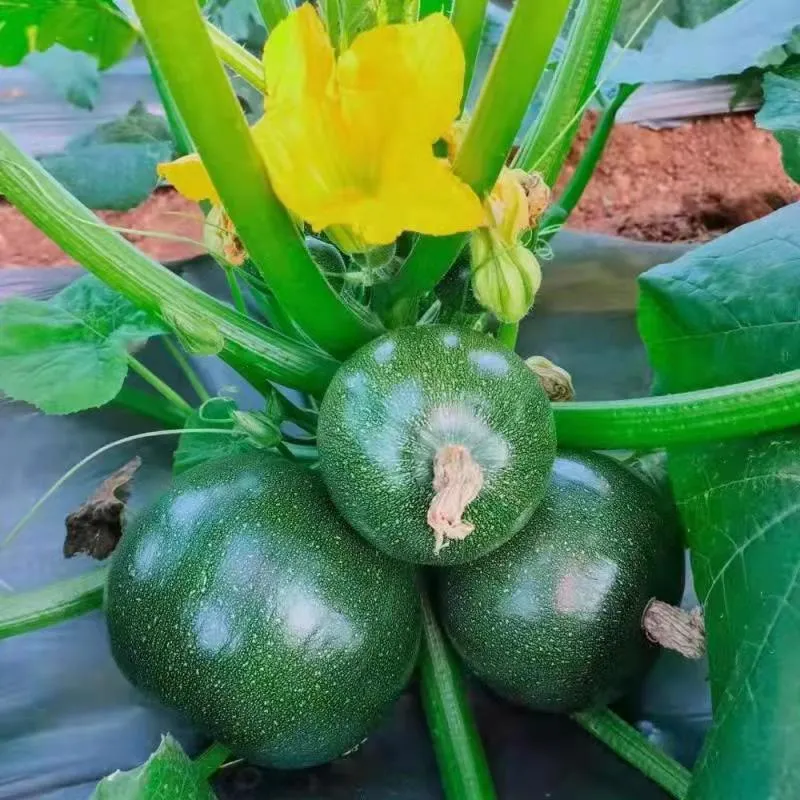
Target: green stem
column 257, row 353
column 462, row 763
column 183, row 142
column 273, row 11
column 548, row 142
column 737, row 410
column 233, row 55
column 211, row 759
column 304, row 418
column 634, row 748
column 166, row 391
column 591, row 155
column 62, row 600
column 428, row 7
column 150, row 405
column 468, row 18
column 182, row 47
column 235, row 290
column 186, row 368
column 518, row 64
column 507, row 334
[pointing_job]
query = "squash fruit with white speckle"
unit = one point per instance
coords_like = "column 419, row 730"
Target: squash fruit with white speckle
column 242, row 599
column 553, row 620
column 436, row 443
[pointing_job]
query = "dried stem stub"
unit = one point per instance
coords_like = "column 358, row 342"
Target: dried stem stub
column 457, row 481
column 675, row 629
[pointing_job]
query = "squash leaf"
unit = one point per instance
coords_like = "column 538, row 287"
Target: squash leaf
column 727, row 311
column 70, row 353
column 69, row 73
column 686, row 13
column 751, row 33
column 167, row 775
column 114, row 166
column 720, row 314
column 96, row 27
column 781, row 114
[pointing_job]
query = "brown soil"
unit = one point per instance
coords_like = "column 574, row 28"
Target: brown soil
column 680, row 184
column 21, row 244
column 689, row 183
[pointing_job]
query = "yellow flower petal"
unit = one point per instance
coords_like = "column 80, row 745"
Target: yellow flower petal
column 189, row 177
column 350, row 142
column 298, row 58
column 412, row 75
column 508, row 205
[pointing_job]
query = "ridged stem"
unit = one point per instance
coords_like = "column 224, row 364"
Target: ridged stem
column 62, row 600
column 634, row 748
column 164, row 389
column 468, row 17
column 547, row 143
column 211, row 759
column 203, row 94
column 459, row 753
column 257, row 353
column 516, row 69
column 737, row 410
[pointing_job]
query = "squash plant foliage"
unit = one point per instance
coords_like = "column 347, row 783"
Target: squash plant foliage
column 365, row 200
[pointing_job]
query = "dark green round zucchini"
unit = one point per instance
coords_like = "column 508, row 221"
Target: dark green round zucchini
column 553, row 619
column 436, row 443
column 242, row 599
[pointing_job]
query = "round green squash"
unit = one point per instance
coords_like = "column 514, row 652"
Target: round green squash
column 553, row 619
column 242, row 599
column 436, row 443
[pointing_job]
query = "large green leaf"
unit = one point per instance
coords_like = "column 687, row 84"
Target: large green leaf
column 96, row 27
column 752, row 33
column 69, row 73
column 69, row 353
column 114, row 166
column 167, row 775
column 727, row 312
column 781, row 114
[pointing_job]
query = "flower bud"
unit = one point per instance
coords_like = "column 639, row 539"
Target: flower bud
column 556, row 381
column 221, row 239
column 505, row 277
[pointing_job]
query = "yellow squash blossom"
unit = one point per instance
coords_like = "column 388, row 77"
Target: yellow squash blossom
column 348, row 141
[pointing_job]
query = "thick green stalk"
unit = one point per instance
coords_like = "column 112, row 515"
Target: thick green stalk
column 428, row 7
column 257, row 353
column 468, row 17
column 29, row 611
column 195, row 77
column 462, row 763
column 634, row 748
column 233, row 55
column 547, row 143
column 573, row 191
column 740, row 409
column 183, row 142
column 273, row 11
column 150, row 405
column 518, row 64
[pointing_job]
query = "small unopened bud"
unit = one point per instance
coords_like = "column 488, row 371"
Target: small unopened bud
column 556, row 381
column 505, row 276
column 221, row 239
